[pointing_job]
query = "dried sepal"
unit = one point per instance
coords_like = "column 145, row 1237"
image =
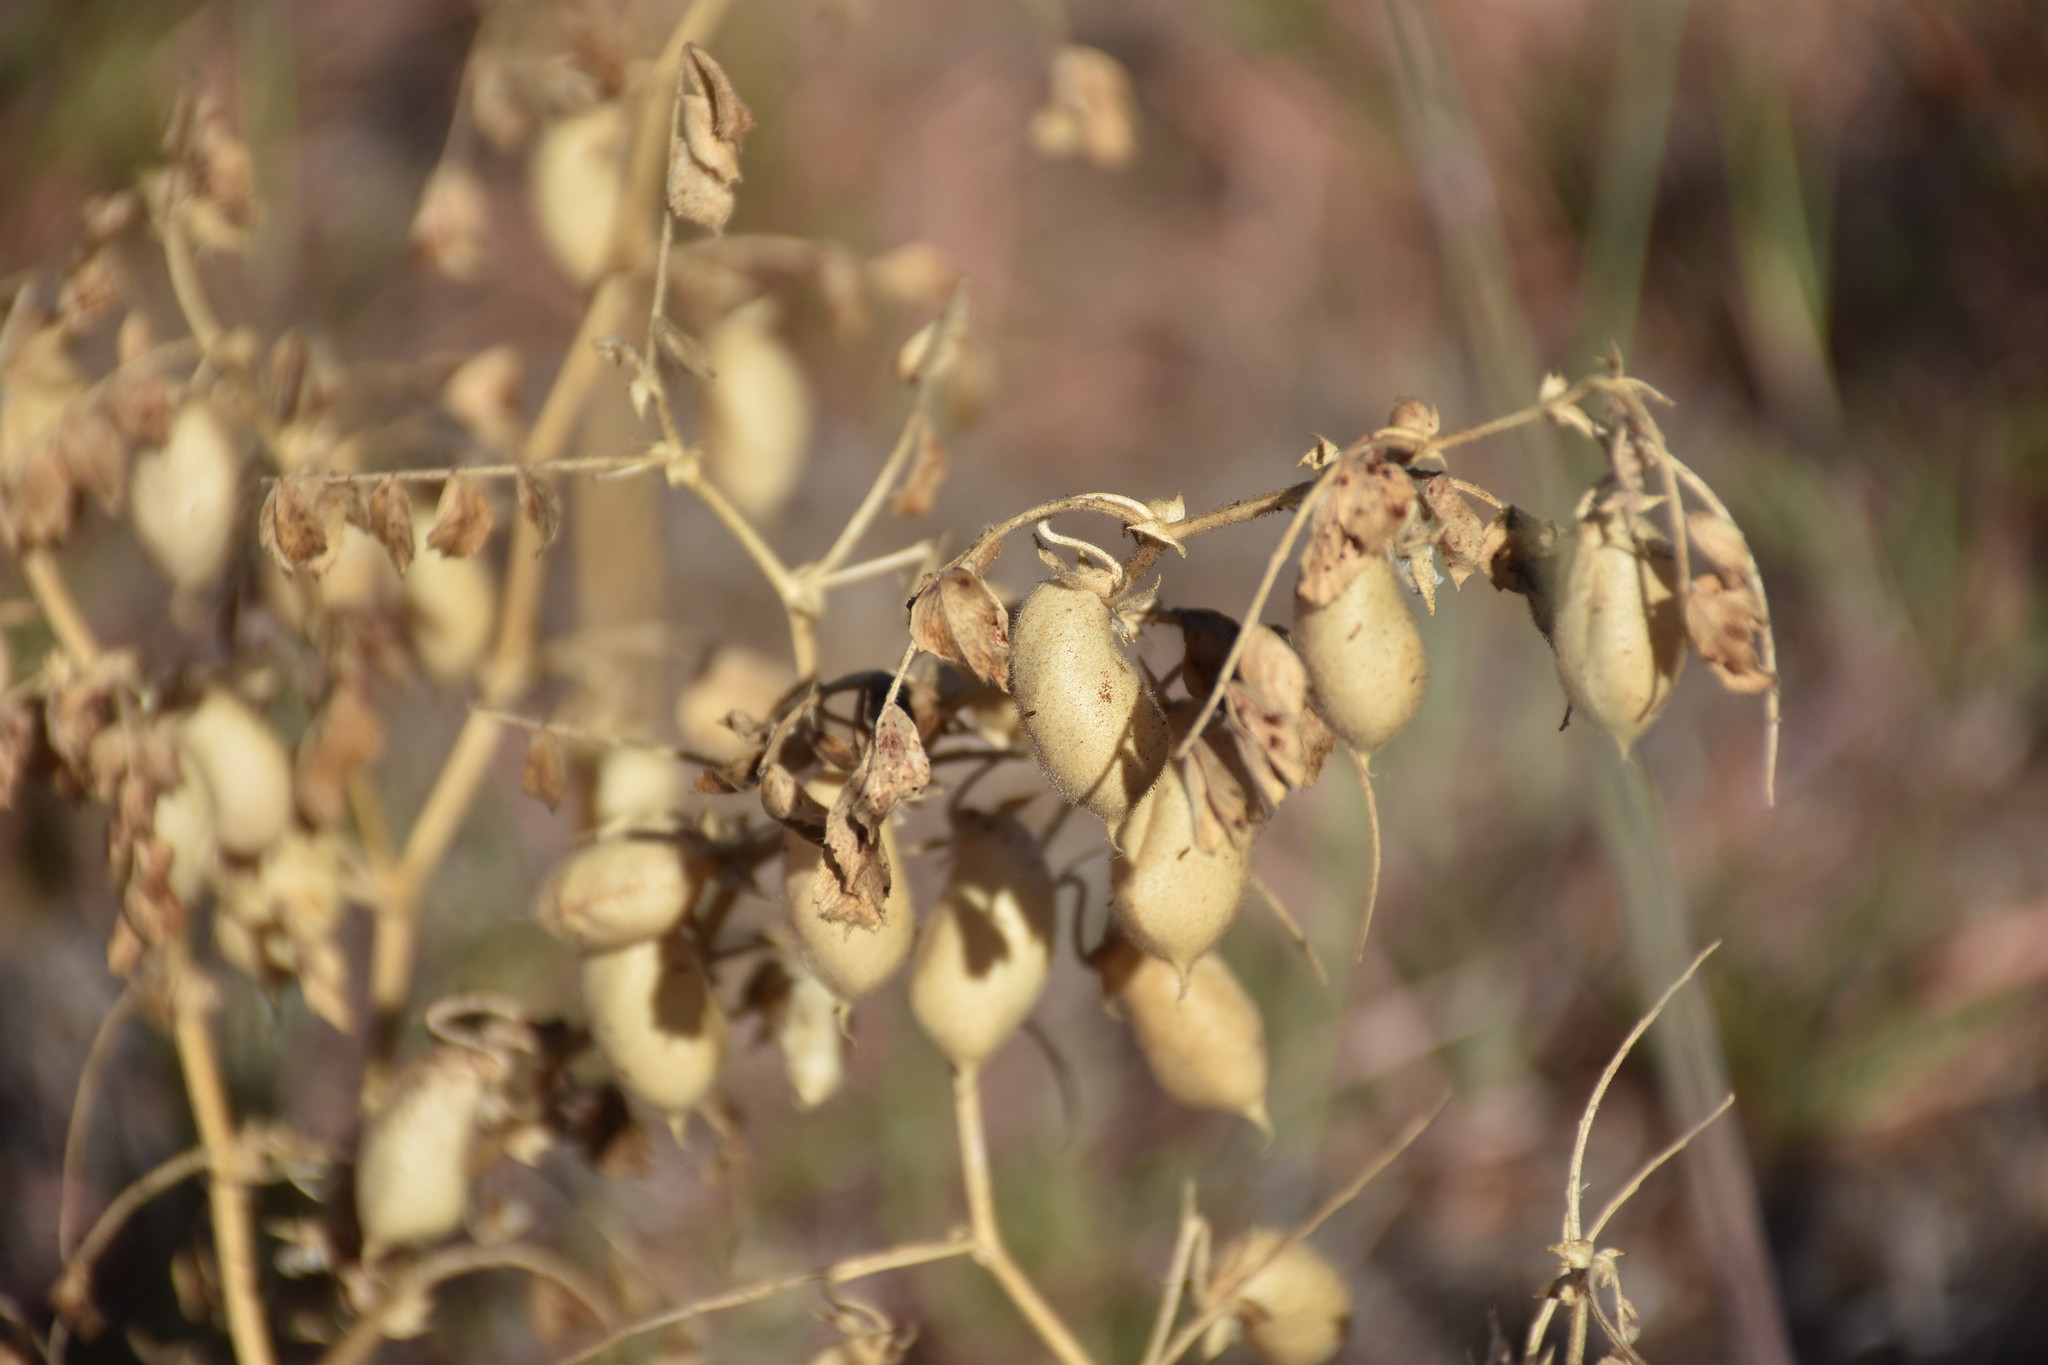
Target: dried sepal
column 956, row 617
column 541, row 507
column 1458, row 532
column 1363, row 506
column 854, row 888
column 1279, row 740
column 289, row 527
column 390, row 521
column 1723, row 622
column 462, row 519
column 543, row 774
column 704, row 160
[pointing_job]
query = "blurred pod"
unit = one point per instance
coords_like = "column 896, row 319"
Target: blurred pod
column 986, row 948
column 851, row 962
column 450, row 608
column 578, row 179
column 185, row 500
column 1172, row 899
column 811, row 1038
column 656, row 1021
column 1296, row 1311
column 1204, row 1041
column 734, row 678
column 412, row 1169
column 183, row 819
column 1099, row 734
column 1617, row 630
column 359, row 581
column 245, row 768
column 1364, row 656
column 757, row 412
column 621, row 891
column 636, row 788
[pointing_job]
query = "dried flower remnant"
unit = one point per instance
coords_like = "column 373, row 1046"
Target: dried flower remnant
column 704, row 161
column 462, row 519
column 927, row 470
column 1723, row 618
column 1089, row 112
column 543, row 775
column 854, row 889
column 391, row 522
column 450, row 229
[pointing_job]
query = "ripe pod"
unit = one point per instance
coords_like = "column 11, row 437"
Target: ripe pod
column 621, row 891
column 656, row 1021
column 851, row 962
column 636, row 789
column 412, row 1169
column 1097, row 729
column 987, row 947
column 247, row 773
column 1172, row 899
column 812, row 1041
column 1618, row 634
column 1297, row 1310
column 184, row 500
column 1204, row 1041
column 1364, row 656
column 450, row 607
column 757, row 412
column 184, row 820
column 579, row 169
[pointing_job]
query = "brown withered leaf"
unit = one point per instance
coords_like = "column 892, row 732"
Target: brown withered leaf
column 140, row 402
column 1722, row 623
column 95, row 454
column 18, row 727
column 289, row 528
column 346, row 736
column 957, row 618
column 37, row 503
column 789, row 805
column 894, row 769
column 1280, row 744
column 462, row 519
column 1463, row 535
column 539, row 504
column 1362, row 506
column 704, row 161
column 927, row 469
column 543, row 775
column 390, row 520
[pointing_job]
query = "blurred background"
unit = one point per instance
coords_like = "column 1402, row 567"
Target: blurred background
column 1818, row 228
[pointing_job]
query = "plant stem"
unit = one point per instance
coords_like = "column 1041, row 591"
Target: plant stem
column 59, row 607
column 418, row 1280
column 96, row 1059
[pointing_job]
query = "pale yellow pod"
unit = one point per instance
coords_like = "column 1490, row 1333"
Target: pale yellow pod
column 1297, row 1310
column 851, row 962
column 811, row 1038
column 184, row 820
column 451, row 606
column 1099, row 734
column 734, row 678
column 412, row 1169
column 579, row 168
column 757, row 412
column 360, row 580
column 636, row 787
column 185, row 499
column 1364, row 656
column 246, row 770
column 986, row 948
column 1205, row 1045
column 1618, row 633
column 656, row 1021
column 621, row 891
column 1172, row 899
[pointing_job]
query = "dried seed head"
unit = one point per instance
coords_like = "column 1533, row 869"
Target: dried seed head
column 656, row 1021
column 245, row 768
column 621, row 891
column 1172, row 899
column 1364, row 656
column 1617, row 632
column 1203, row 1040
column 757, row 412
column 412, row 1170
column 1297, row 1310
column 851, row 961
column 579, row 168
column 450, row 608
column 811, row 1036
column 185, row 498
column 1099, row 734
column 987, row 946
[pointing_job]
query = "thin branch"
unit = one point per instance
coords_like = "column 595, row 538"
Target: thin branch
column 1292, row 926
column 74, row 634
column 436, row 1268
column 1177, row 1267
column 871, row 503
column 1362, row 762
column 591, row 464
column 907, row 557
column 97, row 1058
column 1650, row 1167
column 603, row 739
column 74, row 1283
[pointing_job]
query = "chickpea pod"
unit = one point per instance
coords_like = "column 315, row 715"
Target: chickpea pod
column 1201, row 1036
column 1296, row 1309
column 245, row 769
column 412, row 1170
column 621, row 891
column 656, row 1021
column 1618, row 634
column 1364, row 657
column 1172, row 898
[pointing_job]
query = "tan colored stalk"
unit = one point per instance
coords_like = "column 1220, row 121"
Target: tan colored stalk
column 74, row 635
column 423, row 1276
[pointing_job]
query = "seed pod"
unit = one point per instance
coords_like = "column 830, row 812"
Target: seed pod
column 656, row 1021
column 184, row 820
column 1096, row 727
column 985, row 951
column 1204, row 1041
column 412, row 1170
column 1618, row 634
column 579, row 167
column 1364, row 657
column 621, row 891
column 247, row 773
column 636, row 788
column 812, row 1041
column 1172, row 899
column 450, row 608
column 184, row 500
column 757, row 412
column 851, row 962
column 1297, row 1310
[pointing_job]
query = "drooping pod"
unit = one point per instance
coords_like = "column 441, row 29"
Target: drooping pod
column 985, row 951
column 1296, row 1309
column 412, row 1168
column 851, row 962
column 1172, row 898
column 1617, row 631
column 621, row 891
column 184, row 500
column 1097, row 729
column 1364, row 656
column 451, row 606
column 1203, row 1042
column 245, row 768
column 656, row 1021
column 809, row 1033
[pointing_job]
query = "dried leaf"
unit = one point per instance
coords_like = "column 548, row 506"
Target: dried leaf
column 462, row 519
column 894, row 769
column 1462, row 536
column 37, row 504
column 957, row 618
column 1723, row 622
column 346, row 736
column 543, row 775
column 390, row 521
column 704, row 162
column 289, row 527
column 1362, row 507
column 1719, row 541
column 540, row 506
column 789, row 805
column 927, row 470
